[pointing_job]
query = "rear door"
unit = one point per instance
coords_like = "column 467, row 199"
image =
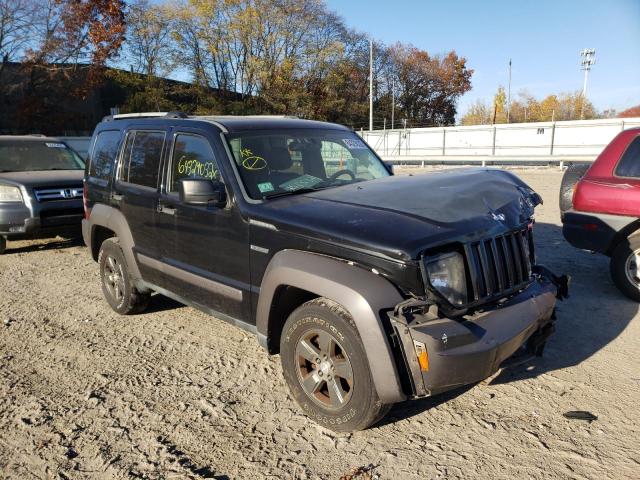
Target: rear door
column 136, row 193
column 208, row 264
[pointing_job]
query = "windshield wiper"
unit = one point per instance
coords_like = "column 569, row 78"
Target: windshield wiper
column 290, row 192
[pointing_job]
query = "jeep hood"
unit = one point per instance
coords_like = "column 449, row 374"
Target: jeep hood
column 401, row 216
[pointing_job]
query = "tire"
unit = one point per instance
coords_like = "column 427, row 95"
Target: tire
column 117, row 285
column 345, row 397
column 624, row 267
column 569, row 179
column 3, row 244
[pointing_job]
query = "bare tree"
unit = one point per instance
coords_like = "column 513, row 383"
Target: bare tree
column 149, row 45
column 16, row 22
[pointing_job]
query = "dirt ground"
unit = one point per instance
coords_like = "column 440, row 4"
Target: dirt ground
column 173, row 393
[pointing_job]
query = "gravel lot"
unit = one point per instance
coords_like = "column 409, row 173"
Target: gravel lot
column 173, row 393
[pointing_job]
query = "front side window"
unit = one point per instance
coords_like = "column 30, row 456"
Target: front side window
column 280, row 162
column 141, row 158
column 629, row 165
column 192, row 157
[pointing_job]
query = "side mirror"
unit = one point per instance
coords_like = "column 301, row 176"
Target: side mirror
column 389, row 166
column 202, row 192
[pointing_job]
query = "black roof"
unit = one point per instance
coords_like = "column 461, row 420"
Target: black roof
column 234, row 124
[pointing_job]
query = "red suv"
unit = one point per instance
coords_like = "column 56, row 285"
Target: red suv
column 605, row 213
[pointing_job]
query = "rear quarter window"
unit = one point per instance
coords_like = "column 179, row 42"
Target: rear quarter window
column 629, row 164
column 104, row 154
column 141, row 159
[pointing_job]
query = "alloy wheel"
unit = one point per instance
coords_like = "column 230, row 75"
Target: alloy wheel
column 324, row 369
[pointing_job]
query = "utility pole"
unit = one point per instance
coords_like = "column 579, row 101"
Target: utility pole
column 393, row 102
column 509, row 94
column 588, row 59
column 370, row 84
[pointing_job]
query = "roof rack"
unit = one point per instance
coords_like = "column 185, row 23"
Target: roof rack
column 119, row 116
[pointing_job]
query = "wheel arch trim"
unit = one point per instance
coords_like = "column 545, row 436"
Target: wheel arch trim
column 113, row 219
column 363, row 294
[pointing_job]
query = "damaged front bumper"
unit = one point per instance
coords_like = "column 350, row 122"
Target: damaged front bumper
column 471, row 348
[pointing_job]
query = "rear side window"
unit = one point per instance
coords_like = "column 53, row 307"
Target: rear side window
column 192, row 158
column 104, row 154
column 629, row 165
column 141, row 159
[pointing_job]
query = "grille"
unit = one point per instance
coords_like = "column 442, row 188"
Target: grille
column 499, row 265
column 58, row 193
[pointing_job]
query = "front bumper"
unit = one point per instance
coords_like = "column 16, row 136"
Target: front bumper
column 467, row 350
column 31, row 218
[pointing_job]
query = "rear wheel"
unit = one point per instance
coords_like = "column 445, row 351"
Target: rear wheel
column 326, row 367
column 117, row 287
column 625, row 267
column 569, row 180
column 3, row 244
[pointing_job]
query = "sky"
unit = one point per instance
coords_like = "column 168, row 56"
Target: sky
column 543, row 39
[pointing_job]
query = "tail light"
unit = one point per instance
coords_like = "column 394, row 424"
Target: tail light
column 85, row 201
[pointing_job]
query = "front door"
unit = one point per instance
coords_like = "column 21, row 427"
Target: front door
column 208, row 264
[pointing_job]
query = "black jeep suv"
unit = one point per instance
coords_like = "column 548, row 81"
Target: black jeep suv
column 373, row 288
column 40, row 187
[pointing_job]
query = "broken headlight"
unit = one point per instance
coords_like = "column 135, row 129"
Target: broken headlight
column 447, row 275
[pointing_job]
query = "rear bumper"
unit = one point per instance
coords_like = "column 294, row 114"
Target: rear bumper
column 20, row 220
column 465, row 351
column 593, row 231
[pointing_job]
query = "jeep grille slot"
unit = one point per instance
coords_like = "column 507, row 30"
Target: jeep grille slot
column 58, row 193
column 499, row 266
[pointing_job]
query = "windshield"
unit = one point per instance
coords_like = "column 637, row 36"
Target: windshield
column 282, row 162
column 28, row 156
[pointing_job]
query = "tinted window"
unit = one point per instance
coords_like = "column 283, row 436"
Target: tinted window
column 192, row 158
column 141, row 159
column 104, row 153
column 29, row 156
column 629, row 165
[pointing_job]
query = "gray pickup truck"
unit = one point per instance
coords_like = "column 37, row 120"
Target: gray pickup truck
column 40, row 187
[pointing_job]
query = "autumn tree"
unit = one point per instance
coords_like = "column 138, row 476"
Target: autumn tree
column 630, row 112
column 527, row 108
column 149, row 46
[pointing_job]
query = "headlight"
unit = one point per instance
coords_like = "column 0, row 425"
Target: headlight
column 10, row 194
column 447, row 275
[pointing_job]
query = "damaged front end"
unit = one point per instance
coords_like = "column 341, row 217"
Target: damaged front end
column 442, row 353
column 485, row 299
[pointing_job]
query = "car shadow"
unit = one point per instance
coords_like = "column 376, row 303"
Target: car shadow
column 410, row 408
column 56, row 243
column 160, row 303
column 594, row 315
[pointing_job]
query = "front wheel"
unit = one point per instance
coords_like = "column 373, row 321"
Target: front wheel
column 625, row 267
column 326, row 368
column 3, row 244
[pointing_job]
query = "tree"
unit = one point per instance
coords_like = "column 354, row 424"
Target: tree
column 429, row 86
column 630, row 112
column 148, row 44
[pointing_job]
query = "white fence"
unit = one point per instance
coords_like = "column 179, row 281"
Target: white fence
column 549, row 142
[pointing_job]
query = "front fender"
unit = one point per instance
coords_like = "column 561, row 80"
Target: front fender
column 364, row 294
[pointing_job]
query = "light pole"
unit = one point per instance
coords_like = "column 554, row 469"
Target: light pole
column 588, row 60
column 370, row 84
column 509, row 95
column 393, row 102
